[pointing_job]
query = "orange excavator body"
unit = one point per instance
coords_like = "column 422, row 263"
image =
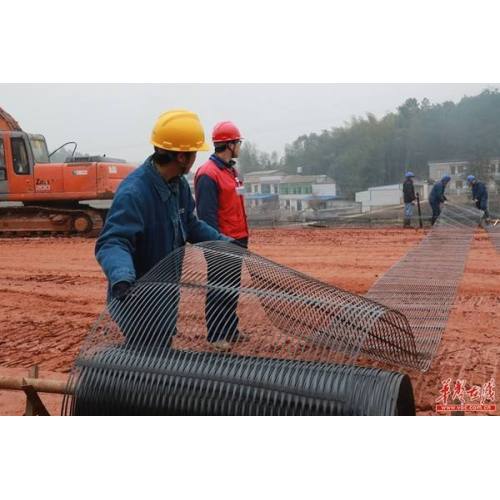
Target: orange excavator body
column 55, row 197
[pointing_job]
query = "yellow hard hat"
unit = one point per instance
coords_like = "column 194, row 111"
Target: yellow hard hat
column 179, row 130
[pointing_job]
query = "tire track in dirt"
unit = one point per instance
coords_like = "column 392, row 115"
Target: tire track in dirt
column 43, row 329
column 51, row 292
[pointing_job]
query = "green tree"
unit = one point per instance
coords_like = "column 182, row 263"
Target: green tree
column 366, row 151
column 251, row 159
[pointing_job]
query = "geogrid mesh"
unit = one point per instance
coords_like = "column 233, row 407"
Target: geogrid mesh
column 494, row 232
column 424, row 283
column 492, row 225
column 124, row 381
column 177, row 315
column 287, row 340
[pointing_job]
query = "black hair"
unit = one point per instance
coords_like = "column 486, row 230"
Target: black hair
column 163, row 157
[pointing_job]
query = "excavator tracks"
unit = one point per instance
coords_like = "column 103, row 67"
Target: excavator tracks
column 46, row 221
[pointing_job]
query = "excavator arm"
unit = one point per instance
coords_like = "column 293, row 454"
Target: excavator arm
column 7, row 122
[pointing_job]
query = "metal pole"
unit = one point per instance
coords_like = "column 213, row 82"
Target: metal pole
column 421, row 224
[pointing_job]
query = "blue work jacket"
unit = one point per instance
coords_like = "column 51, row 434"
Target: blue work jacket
column 480, row 194
column 148, row 219
column 437, row 194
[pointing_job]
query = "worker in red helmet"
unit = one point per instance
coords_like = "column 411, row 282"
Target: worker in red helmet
column 220, row 203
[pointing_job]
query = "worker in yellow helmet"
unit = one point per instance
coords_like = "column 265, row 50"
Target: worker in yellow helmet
column 153, row 212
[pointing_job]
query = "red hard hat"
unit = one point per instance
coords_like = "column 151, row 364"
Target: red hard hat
column 225, row 132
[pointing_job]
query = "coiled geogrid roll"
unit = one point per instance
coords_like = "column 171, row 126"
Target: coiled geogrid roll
column 122, row 381
column 290, row 339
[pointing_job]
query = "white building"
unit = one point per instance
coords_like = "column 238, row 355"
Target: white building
column 385, row 196
column 458, row 170
column 302, row 192
column 262, row 189
column 273, row 189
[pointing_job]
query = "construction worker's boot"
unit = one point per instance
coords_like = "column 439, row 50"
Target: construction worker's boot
column 407, row 223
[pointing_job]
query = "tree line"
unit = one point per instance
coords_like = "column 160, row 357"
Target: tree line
column 368, row 151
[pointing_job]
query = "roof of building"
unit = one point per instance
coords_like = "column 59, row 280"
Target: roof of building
column 382, row 188
column 321, row 197
column 390, row 187
column 306, row 179
column 290, row 179
column 438, row 162
column 263, row 173
column 260, row 196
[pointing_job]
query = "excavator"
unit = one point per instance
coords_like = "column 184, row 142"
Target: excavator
column 38, row 197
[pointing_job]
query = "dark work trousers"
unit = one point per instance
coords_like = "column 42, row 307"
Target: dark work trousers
column 147, row 316
column 436, row 211
column 483, row 206
column 223, row 280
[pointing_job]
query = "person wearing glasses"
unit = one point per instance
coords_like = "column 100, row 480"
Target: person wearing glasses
column 219, row 194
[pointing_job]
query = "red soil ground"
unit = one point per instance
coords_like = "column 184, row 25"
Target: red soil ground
column 52, row 290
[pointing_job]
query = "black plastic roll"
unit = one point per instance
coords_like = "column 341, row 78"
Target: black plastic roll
column 124, row 381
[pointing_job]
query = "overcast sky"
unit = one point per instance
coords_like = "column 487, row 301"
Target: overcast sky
column 116, row 119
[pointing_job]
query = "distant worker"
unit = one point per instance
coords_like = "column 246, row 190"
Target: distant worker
column 408, row 198
column 152, row 214
column 479, row 196
column 220, row 203
column 437, row 197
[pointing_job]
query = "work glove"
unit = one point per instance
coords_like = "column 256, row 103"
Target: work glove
column 121, row 289
column 238, row 243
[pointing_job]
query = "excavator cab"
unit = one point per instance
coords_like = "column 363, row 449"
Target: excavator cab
column 24, row 152
column 39, row 148
column 15, row 146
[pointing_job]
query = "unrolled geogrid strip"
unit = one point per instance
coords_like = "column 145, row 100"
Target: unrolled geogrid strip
column 494, row 232
column 423, row 284
column 492, row 225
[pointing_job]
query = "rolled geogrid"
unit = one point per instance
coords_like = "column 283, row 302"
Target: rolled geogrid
column 123, row 381
column 220, row 289
column 288, row 340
